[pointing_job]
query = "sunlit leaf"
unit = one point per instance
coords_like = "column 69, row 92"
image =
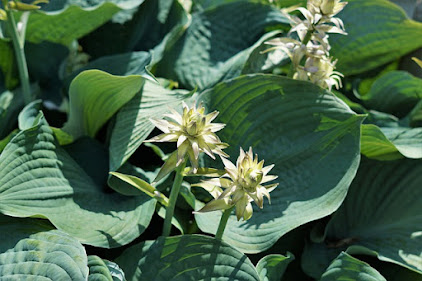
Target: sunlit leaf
column 311, row 136
column 95, row 96
column 378, row 32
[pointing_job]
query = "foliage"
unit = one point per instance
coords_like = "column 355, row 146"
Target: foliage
column 83, row 193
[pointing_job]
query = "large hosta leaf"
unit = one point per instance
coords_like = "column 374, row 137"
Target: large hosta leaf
column 49, row 255
column 346, row 267
column 94, row 97
column 217, row 43
column 187, row 257
column 381, row 216
column 38, row 178
column 132, row 122
column 396, row 92
column 133, row 63
column 311, row 136
column 378, row 32
column 152, row 22
column 68, row 24
column 14, row 229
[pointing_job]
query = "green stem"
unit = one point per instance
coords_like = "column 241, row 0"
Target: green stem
column 308, row 36
column 173, row 198
column 18, row 45
column 223, row 223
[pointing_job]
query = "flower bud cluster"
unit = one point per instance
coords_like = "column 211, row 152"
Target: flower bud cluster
column 310, row 56
column 194, row 133
column 242, row 183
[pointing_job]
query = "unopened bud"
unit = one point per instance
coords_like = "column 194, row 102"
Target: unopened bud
column 327, row 7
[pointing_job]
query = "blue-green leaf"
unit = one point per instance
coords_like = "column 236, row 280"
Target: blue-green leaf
column 346, row 267
column 300, row 128
column 49, row 255
column 39, row 179
column 380, row 217
column 218, row 43
column 186, row 257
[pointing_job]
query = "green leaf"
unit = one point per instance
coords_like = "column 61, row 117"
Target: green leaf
column 218, row 43
column 143, row 186
column 49, row 255
column 126, row 188
column 14, row 229
column 406, row 140
column 272, row 267
column 378, row 32
column 62, row 137
column 132, row 125
column 346, row 267
column 300, row 128
column 133, row 63
column 69, row 24
column 187, row 257
column 104, row 270
column 116, row 272
column 380, row 216
column 98, row 270
column 38, row 178
column 396, row 92
column 376, row 145
column 28, row 117
column 95, row 96
column 148, row 27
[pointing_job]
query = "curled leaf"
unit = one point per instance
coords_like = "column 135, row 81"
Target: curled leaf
column 142, row 186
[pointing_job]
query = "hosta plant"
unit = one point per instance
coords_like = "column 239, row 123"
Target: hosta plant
column 210, row 140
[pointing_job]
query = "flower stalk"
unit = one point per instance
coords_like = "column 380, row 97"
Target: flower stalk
column 18, row 41
column 223, row 223
column 174, row 193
